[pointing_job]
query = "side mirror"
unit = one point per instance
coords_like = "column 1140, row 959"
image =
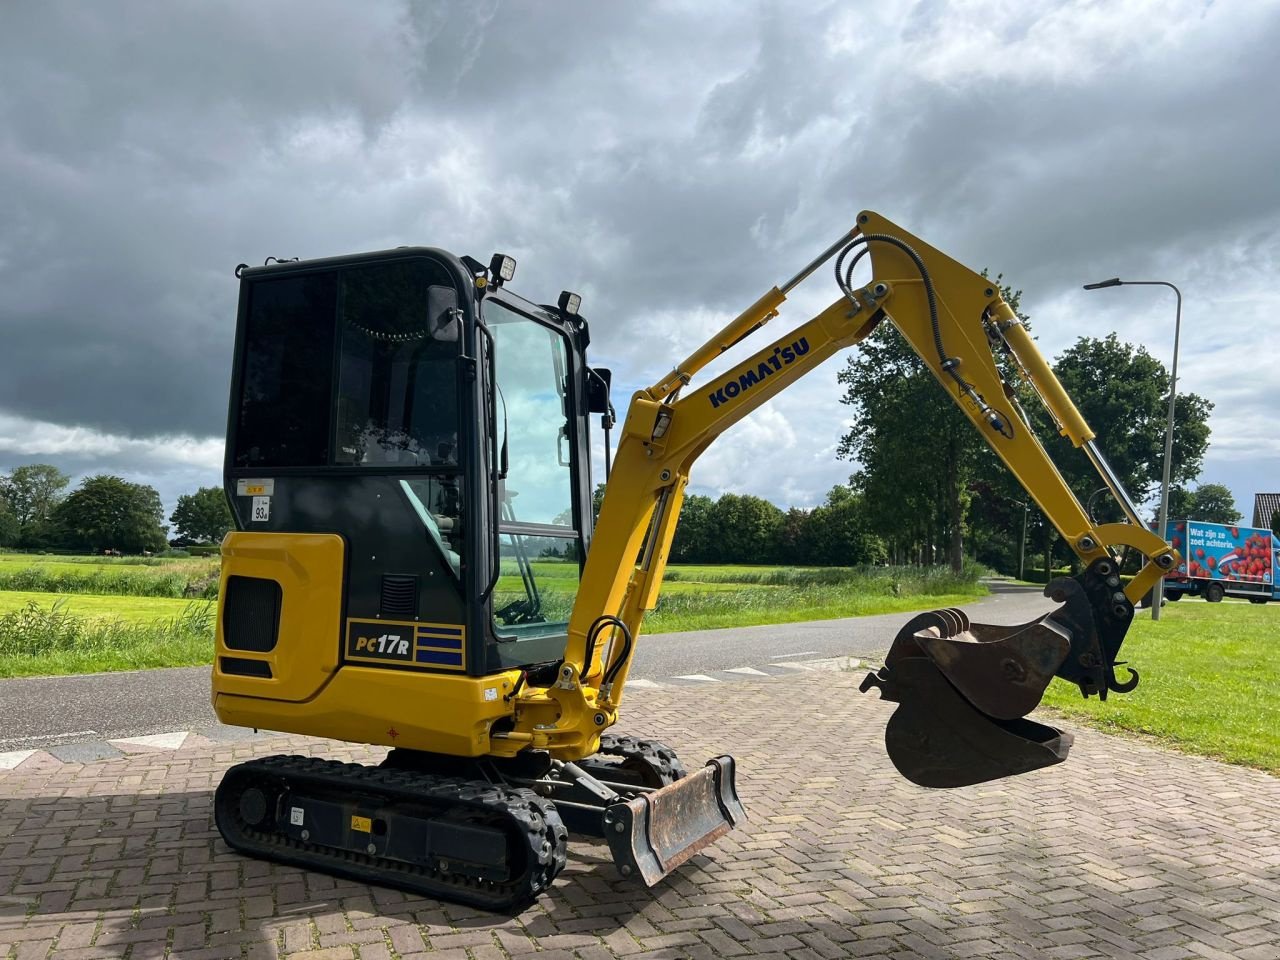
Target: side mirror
column 442, row 313
column 599, row 382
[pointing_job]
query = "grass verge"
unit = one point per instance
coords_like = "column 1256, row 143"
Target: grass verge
column 93, row 607
column 1209, row 683
column 190, row 579
column 38, row 641
column 44, row 633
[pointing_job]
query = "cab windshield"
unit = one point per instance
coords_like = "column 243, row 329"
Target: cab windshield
column 537, row 531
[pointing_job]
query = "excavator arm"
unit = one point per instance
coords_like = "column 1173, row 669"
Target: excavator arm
column 964, row 688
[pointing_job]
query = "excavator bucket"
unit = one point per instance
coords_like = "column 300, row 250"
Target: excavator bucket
column 963, row 690
column 653, row 833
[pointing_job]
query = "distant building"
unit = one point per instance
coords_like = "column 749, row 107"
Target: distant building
column 1264, row 505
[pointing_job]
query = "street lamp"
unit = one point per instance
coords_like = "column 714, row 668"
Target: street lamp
column 1163, row 522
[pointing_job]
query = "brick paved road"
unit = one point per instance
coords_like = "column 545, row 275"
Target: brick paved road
column 1160, row 857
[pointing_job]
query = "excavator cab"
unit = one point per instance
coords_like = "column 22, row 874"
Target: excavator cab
column 437, row 427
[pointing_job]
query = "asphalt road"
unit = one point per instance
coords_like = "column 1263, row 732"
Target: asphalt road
column 43, row 712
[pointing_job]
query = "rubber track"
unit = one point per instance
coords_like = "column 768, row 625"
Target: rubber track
column 533, row 817
column 657, row 755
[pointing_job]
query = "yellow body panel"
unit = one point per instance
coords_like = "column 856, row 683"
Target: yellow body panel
column 308, row 567
column 393, row 708
column 310, row 693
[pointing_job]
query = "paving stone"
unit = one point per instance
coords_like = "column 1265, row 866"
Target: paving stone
column 1178, row 857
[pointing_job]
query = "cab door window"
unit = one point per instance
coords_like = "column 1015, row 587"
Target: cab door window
column 537, row 531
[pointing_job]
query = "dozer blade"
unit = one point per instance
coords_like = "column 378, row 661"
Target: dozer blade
column 963, row 690
column 653, row 833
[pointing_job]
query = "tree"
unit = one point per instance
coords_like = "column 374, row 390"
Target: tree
column 10, row 529
column 203, row 515
column 745, row 529
column 1209, row 502
column 695, row 534
column 1122, row 392
column 31, row 492
column 918, row 452
column 1275, row 522
column 108, row 512
column 838, row 532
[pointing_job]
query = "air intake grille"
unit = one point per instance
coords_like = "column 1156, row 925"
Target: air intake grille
column 251, row 614
column 244, row 667
column 399, row 597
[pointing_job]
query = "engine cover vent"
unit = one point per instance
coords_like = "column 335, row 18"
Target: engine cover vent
column 399, row 597
column 251, row 614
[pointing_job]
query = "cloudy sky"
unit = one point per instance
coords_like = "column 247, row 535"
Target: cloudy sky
column 670, row 161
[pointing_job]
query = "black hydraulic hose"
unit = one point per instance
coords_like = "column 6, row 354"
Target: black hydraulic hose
column 593, row 633
column 996, row 419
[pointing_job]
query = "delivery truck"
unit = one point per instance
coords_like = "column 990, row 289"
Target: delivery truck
column 1222, row 560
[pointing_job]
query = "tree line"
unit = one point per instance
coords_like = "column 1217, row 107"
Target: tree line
column 104, row 513
column 933, row 491
column 741, row 528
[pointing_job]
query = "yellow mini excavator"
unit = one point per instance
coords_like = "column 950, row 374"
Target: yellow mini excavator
column 414, row 564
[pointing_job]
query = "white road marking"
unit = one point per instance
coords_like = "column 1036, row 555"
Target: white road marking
column 751, row 671
column 10, row 760
column 701, row 677
column 796, row 666
column 647, row 684
column 163, row 741
column 802, row 653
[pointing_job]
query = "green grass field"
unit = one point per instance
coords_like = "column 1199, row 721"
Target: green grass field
column 40, row 639
column 98, row 606
column 1210, row 682
column 78, row 614
column 127, row 576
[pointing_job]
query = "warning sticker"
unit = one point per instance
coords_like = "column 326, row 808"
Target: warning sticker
column 362, row 824
column 295, row 816
column 255, row 488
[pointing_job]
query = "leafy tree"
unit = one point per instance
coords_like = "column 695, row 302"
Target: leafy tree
column 1209, row 502
column 32, row 491
column 203, row 515
column 10, row 529
column 918, row 452
column 838, row 533
column 792, row 544
column 108, row 512
column 1275, row 522
column 695, row 535
column 745, row 529
column 1122, row 392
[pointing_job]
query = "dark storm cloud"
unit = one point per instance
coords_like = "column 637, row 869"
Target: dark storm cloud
column 670, row 161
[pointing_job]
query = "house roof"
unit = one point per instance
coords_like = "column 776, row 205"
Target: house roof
column 1264, row 505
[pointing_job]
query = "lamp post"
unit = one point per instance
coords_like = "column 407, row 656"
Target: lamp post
column 1163, row 521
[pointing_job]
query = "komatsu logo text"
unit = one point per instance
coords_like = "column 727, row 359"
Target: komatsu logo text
column 782, row 356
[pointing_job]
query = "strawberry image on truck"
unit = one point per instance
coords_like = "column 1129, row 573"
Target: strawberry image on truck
column 1221, row 560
